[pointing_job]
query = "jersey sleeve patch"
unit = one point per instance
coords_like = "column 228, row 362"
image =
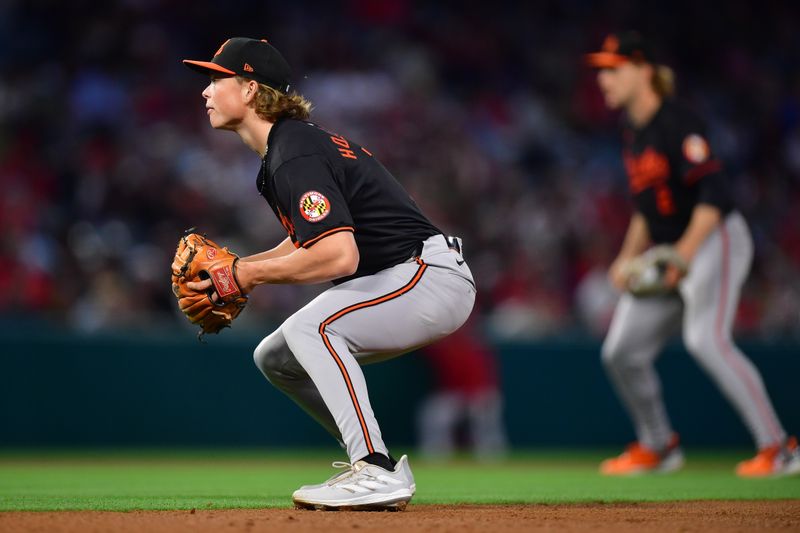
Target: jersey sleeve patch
column 314, row 206
column 696, row 149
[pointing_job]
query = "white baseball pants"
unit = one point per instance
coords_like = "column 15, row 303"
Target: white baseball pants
column 705, row 310
column 314, row 356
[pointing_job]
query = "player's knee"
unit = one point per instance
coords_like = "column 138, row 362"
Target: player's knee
column 618, row 355
column 699, row 341
column 610, row 353
column 268, row 354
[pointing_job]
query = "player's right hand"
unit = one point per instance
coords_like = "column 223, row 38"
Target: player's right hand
column 618, row 275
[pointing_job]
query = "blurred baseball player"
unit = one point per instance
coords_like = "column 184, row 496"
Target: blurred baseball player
column 399, row 283
column 467, row 395
column 681, row 199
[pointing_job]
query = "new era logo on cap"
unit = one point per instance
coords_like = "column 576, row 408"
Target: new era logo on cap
column 255, row 59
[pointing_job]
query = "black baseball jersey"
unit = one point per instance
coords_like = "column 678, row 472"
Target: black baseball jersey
column 671, row 169
column 319, row 183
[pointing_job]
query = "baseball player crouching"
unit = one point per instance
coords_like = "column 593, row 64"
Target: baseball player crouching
column 399, row 283
column 690, row 281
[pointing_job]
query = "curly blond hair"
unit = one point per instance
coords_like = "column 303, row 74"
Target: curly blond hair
column 271, row 104
column 663, row 81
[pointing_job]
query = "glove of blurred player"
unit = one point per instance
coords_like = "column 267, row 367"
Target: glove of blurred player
column 646, row 274
column 196, row 259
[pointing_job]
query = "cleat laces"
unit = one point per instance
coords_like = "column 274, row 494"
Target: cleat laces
column 361, row 480
column 348, row 471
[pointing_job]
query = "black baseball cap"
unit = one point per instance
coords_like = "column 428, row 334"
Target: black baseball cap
column 619, row 48
column 250, row 58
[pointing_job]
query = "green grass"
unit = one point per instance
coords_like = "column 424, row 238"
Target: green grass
column 128, row 480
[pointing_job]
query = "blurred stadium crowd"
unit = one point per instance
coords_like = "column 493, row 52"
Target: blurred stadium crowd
column 486, row 115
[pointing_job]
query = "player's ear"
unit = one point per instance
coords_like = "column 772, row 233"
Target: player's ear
column 647, row 69
column 249, row 90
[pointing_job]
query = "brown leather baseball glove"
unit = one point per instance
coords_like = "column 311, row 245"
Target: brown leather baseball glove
column 198, row 258
column 646, row 273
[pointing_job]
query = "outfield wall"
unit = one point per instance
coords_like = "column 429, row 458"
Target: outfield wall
column 64, row 389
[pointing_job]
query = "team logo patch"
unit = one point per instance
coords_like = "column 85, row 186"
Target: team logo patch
column 211, row 253
column 314, row 206
column 695, row 149
column 221, row 47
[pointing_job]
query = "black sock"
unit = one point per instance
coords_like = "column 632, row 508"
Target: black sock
column 378, row 459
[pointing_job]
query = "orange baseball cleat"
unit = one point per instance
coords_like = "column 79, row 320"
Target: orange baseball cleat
column 638, row 459
column 772, row 461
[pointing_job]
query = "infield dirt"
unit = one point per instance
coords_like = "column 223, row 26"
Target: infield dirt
column 699, row 516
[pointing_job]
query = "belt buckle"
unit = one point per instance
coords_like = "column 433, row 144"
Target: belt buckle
column 454, row 243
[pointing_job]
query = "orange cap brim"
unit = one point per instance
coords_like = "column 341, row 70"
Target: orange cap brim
column 606, row 60
column 206, row 66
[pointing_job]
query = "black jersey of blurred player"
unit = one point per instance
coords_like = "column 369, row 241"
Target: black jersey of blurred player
column 319, row 183
column 671, row 169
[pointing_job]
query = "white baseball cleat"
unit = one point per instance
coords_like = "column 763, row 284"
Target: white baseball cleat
column 362, row 487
